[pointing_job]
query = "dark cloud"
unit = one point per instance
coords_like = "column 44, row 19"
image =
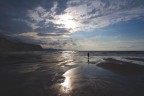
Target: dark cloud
column 14, row 20
column 49, row 21
column 17, row 9
column 52, row 29
column 43, row 34
column 62, row 5
column 24, row 4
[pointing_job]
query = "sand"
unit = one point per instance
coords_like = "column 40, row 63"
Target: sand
column 66, row 73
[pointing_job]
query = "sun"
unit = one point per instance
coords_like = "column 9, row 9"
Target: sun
column 70, row 24
column 68, row 21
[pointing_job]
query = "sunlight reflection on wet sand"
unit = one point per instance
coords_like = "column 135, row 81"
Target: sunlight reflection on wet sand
column 67, row 57
column 66, row 85
column 67, row 73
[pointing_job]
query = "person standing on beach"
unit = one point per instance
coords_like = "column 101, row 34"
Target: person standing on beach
column 88, row 57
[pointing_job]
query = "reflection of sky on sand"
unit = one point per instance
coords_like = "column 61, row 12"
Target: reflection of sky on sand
column 85, row 78
column 82, row 75
column 67, row 62
column 43, row 73
column 67, row 85
column 67, row 58
column 78, row 74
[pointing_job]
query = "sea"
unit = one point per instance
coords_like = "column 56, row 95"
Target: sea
column 72, row 73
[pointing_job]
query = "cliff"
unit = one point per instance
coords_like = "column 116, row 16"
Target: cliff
column 7, row 45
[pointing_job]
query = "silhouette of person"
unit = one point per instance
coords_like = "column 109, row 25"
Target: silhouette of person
column 88, row 57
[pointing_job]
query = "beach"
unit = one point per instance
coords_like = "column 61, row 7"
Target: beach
column 70, row 73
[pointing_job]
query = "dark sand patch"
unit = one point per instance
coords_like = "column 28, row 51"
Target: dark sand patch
column 121, row 67
column 19, row 77
column 42, row 75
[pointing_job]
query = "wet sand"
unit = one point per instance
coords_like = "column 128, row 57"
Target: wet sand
column 68, row 73
column 137, row 59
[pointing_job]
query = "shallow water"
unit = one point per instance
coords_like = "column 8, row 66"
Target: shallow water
column 70, row 73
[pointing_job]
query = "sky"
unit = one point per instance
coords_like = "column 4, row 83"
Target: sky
column 75, row 24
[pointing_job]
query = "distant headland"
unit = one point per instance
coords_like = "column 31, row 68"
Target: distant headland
column 7, row 45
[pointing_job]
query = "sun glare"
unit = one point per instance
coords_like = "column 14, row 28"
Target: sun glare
column 68, row 21
column 66, row 85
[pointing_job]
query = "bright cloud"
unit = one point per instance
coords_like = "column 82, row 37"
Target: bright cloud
column 57, row 20
column 101, row 13
column 88, row 14
column 110, row 44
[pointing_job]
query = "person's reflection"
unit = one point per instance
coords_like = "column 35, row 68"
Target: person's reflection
column 88, row 61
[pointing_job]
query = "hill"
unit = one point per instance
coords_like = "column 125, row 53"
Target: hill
column 7, row 45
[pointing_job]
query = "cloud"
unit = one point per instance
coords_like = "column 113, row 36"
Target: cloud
column 98, row 43
column 50, row 40
column 94, row 14
column 84, row 15
column 54, row 21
